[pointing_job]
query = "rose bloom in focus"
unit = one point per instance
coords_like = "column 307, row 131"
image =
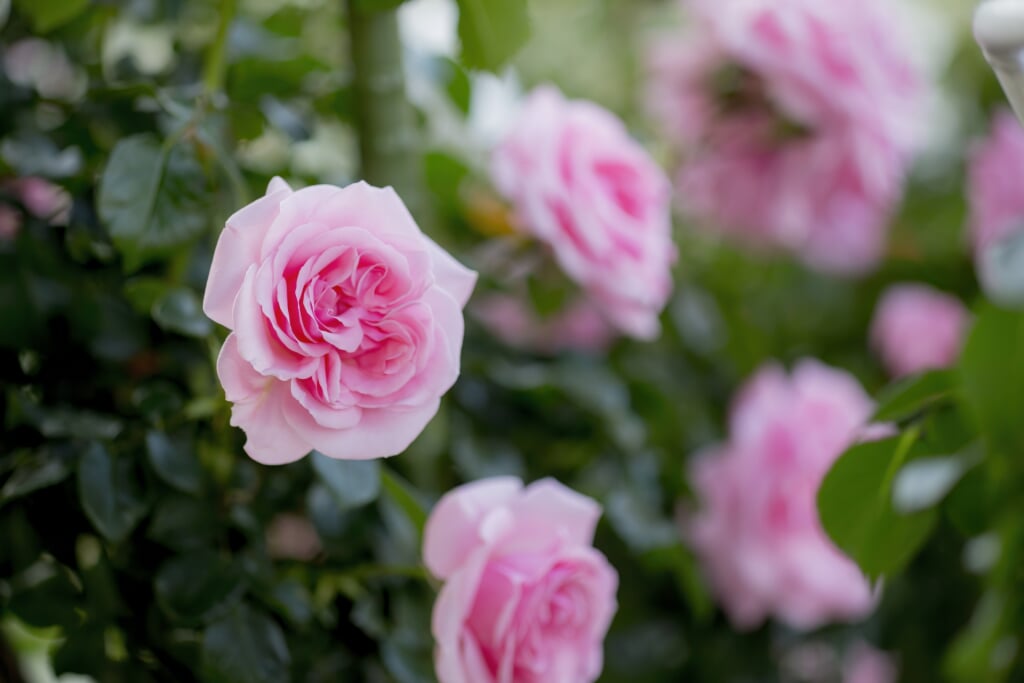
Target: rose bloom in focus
column 526, row 598
column 757, row 530
column 346, row 322
column 918, row 328
column 581, row 185
column 796, row 120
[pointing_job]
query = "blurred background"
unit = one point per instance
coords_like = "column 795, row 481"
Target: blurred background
column 139, row 544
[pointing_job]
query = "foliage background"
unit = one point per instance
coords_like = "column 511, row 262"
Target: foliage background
column 141, row 545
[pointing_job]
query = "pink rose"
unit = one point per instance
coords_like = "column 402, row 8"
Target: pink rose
column 44, row 200
column 757, row 531
column 578, row 327
column 580, row 184
column 526, row 598
column 10, row 223
column 918, row 328
column 866, row 664
column 346, row 322
column 796, row 119
column 994, row 183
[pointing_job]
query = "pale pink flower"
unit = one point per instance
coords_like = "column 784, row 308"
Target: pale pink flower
column 796, row 120
column 346, row 322
column 757, row 530
column 580, row 184
column 866, row 664
column 994, row 183
column 43, row 199
column 10, row 223
column 580, row 326
column 526, row 598
column 918, row 328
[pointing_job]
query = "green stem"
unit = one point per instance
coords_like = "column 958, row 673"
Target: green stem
column 215, row 68
column 388, row 145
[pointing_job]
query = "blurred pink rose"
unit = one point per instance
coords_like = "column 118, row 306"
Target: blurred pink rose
column 580, row 184
column 994, row 180
column 346, row 322
column 43, row 199
column 10, row 222
column 580, row 326
column 865, row 664
column 757, row 531
column 526, row 599
column 797, row 120
column 918, row 328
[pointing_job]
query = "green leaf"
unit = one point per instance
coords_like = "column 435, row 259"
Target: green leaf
column 352, row 483
column 992, row 372
column 913, row 395
column 40, row 470
column 377, row 5
column 245, row 646
column 198, row 586
column 50, row 600
column 923, row 483
column 401, row 494
column 856, row 509
column 175, row 461
column 184, row 523
column 179, row 310
column 492, row 31
column 109, row 493
column 46, row 15
column 151, row 198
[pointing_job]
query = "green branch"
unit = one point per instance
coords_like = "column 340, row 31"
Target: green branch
column 388, row 146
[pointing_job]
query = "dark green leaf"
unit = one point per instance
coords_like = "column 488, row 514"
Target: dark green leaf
column 492, row 31
column 245, row 646
column 352, row 483
column 47, row 15
column 377, row 5
column 179, row 310
column 151, row 198
column 915, row 394
column 78, row 653
column 198, row 586
column 184, row 523
column 50, row 600
column 41, row 469
column 992, row 372
column 175, row 461
column 399, row 492
column 109, row 492
column 924, row 482
column 855, row 504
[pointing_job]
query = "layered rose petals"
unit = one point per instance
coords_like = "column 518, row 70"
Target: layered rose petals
column 526, row 598
column 346, row 322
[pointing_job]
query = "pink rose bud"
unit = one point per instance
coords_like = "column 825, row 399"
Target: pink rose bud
column 796, row 119
column 580, row 184
column 918, row 328
column 526, row 598
column 346, row 322
column 757, row 531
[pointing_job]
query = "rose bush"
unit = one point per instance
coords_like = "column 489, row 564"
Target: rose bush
column 346, row 322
